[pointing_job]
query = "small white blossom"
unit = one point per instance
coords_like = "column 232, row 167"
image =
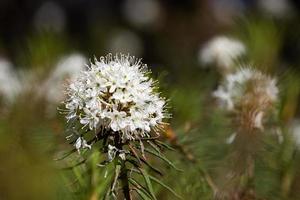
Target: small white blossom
column 221, row 51
column 112, row 151
column 115, row 93
column 81, row 143
column 122, row 156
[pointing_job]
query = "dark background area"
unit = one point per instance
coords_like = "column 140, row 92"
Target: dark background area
column 178, row 30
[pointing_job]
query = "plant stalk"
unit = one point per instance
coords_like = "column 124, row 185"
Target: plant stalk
column 125, row 181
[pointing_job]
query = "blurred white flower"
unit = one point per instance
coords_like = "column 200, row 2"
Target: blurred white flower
column 10, row 85
column 142, row 13
column 237, row 85
column 50, row 16
column 278, row 8
column 125, row 41
column 115, row 93
column 67, row 69
column 250, row 95
column 221, row 51
column 226, row 11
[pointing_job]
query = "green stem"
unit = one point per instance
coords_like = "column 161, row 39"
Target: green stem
column 125, row 181
column 123, row 174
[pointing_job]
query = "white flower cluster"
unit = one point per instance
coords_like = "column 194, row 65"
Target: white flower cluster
column 115, row 93
column 221, row 51
column 250, row 94
column 237, row 85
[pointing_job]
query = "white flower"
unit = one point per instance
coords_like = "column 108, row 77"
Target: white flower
column 277, row 8
column 68, row 68
column 10, row 85
column 236, row 87
column 81, row 143
column 225, row 97
column 221, row 51
column 112, row 151
column 116, row 93
column 50, row 16
column 142, row 13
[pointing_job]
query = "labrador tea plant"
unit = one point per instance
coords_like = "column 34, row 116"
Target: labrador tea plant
column 115, row 103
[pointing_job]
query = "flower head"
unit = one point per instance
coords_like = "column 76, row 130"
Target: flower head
column 245, row 82
column 249, row 92
column 221, row 51
column 116, row 93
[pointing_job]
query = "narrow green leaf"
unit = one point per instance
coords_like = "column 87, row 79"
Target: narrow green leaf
column 73, row 166
column 65, row 155
column 117, row 173
column 148, row 182
column 165, row 145
column 142, row 194
column 161, row 183
column 152, row 168
column 154, row 146
column 141, row 189
column 162, row 158
column 78, row 173
column 165, row 186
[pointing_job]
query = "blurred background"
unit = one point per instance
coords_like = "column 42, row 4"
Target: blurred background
column 43, row 43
